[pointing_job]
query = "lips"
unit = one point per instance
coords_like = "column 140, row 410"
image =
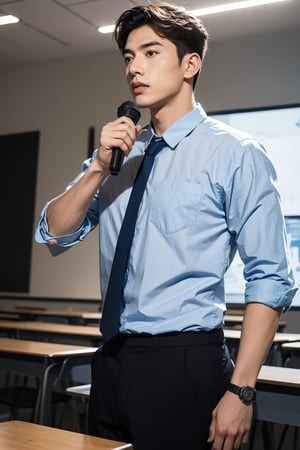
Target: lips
column 138, row 88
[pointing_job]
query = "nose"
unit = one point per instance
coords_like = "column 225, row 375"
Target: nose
column 136, row 67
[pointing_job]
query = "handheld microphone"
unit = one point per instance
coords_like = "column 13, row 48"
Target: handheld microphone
column 128, row 109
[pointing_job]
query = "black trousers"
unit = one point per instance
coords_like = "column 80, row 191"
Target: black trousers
column 158, row 392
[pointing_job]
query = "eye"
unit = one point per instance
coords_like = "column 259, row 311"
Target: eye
column 128, row 59
column 151, row 53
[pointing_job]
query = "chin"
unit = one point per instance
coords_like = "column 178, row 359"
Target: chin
column 146, row 103
column 142, row 102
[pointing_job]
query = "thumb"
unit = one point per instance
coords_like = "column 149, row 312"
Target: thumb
column 212, row 429
column 138, row 128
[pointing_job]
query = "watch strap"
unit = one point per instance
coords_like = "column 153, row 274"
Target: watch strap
column 246, row 394
column 234, row 388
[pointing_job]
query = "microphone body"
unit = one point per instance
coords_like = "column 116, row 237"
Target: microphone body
column 128, row 109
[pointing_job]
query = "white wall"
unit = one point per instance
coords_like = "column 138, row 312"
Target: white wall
column 63, row 99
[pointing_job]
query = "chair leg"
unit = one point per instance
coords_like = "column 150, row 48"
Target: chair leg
column 295, row 438
column 283, row 435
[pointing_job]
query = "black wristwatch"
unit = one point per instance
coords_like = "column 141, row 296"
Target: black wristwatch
column 246, row 393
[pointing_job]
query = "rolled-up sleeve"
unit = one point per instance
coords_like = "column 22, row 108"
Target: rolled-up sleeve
column 256, row 220
column 64, row 242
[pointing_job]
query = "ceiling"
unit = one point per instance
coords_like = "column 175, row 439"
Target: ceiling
column 55, row 29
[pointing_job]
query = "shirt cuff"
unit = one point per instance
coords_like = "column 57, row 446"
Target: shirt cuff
column 64, row 242
column 270, row 293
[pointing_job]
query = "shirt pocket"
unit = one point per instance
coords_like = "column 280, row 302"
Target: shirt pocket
column 176, row 206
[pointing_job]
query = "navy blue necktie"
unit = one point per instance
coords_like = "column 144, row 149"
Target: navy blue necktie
column 110, row 322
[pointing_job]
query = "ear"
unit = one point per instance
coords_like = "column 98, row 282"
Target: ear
column 192, row 65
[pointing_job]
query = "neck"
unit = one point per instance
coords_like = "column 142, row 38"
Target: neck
column 162, row 117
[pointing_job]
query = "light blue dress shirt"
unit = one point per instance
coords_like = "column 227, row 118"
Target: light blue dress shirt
column 212, row 191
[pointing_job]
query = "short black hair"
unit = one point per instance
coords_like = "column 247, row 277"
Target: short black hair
column 175, row 23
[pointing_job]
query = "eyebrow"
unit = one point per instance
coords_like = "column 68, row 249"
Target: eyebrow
column 142, row 47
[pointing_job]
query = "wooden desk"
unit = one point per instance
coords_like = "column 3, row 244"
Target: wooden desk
column 71, row 317
column 9, row 316
column 55, row 332
column 48, row 361
column 272, row 380
column 277, row 400
column 278, row 338
column 16, row 435
column 232, row 338
column 292, row 346
column 236, row 311
column 235, row 321
column 291, row 354
column 280, row 376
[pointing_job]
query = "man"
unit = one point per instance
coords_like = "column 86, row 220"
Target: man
column 166, row 381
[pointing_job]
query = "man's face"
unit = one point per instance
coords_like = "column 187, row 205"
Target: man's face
column 153, row 71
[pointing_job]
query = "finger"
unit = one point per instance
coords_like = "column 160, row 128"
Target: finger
column 138, row 129
column 235, row 442
column 212, row 429
column 218, row 443
column 129, row 135
column 120, row 135
column 229, row 444
column 128, row 126
column 246, row 437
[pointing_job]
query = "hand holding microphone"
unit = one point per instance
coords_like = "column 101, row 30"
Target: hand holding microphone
column 130, row 110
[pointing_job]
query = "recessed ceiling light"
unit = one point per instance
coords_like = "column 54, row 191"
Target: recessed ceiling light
column 213, row 10
column 106, row 29
column 5, row 20
column 233, row 6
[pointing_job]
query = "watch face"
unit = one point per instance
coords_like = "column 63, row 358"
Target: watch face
column 247, row 394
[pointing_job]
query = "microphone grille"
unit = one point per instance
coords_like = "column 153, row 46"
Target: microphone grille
column 129, row 109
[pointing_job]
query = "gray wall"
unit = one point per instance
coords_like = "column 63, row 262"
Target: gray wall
column 64, row 98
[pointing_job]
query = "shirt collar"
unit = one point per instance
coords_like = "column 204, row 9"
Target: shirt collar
column 178, row 130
